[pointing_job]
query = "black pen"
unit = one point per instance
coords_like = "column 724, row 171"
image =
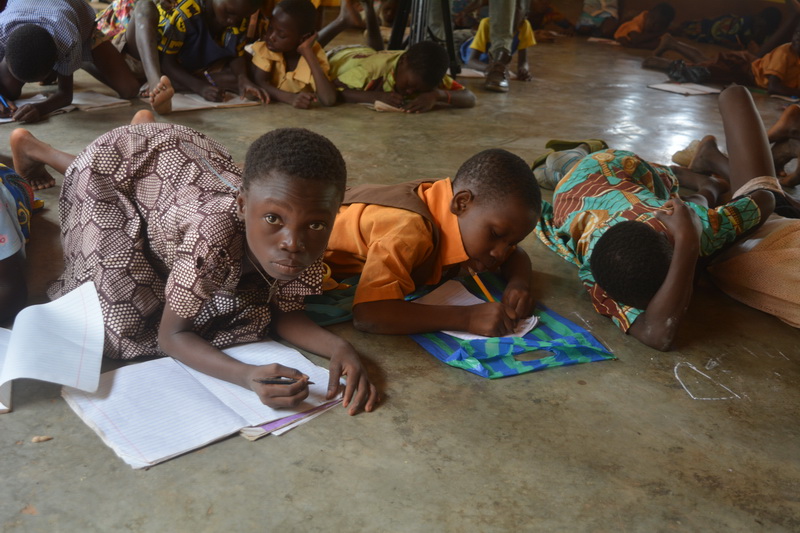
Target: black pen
column 279, row 381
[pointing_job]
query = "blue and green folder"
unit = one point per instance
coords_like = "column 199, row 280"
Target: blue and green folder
column 568, row 343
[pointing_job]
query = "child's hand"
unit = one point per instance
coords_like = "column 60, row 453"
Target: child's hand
column 518, row 297
column 393, row 98
column 681, row 222
column 523, row 74
column 359, row 393
column 27, row 113
column 307, row 46
column 212, row 94
column 278, row 396
column 251, row 91
column 492, row 319
column 304, row 100
column 422, row 103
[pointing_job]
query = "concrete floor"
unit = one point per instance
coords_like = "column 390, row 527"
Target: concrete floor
column 611, row 446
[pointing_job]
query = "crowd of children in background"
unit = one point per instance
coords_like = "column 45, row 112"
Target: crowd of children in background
column 228, row 273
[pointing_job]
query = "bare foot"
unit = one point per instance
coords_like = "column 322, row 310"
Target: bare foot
column 350, row 15
column 783, row 152
column 664, row 45
column 703, row 160
column 143, row 116
column 161, row 96
column 787, row 127
column 32, row 171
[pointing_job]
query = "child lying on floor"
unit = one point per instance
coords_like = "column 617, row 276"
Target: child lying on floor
column 190, row 255
column 414, row 79
column 636, row 243
column 402, row 237
column 289, row 64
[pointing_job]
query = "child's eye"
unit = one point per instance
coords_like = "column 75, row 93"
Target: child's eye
column 318, row 226
column 272, row 219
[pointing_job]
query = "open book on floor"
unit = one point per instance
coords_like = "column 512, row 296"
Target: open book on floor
column 153, row 411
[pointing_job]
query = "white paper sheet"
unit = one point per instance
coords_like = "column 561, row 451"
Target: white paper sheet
column 245, row 402
column 453, row 292
column 152, row 411
column 92, row 101
column 685, row 88
column 34, row 99
column 193, row 102
column 60, row 341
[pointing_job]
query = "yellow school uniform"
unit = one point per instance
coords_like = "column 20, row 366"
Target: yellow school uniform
column 298, row 80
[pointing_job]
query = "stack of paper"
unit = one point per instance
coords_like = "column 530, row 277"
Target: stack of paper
column 193, row 102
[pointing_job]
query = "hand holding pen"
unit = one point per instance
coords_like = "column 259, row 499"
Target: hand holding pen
column 278, row 386
column 8, row 108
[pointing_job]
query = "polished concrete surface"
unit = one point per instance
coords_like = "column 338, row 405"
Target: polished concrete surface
column 611, row 446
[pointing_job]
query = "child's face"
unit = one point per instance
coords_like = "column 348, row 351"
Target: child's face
column 654, row 23
column 288, row 222
column 407, row 82
column 490, row 231
column 282, row 34
column 229, row 13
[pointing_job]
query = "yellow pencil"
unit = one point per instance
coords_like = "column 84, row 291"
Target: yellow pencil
column 480, row 284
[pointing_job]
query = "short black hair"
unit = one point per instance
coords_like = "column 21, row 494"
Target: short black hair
column 427, row 60
column 298, row 153
column 495, row 175
column 665, row 12
column 302, row 12
column 630, row 262
column 31, row 53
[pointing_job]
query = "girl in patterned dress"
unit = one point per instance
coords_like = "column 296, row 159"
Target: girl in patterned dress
column 190, row 255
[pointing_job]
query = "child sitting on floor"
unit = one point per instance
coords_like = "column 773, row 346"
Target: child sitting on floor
column 402, row 237
column 132, row 27
column 289, row 64
column 202, row 46
column 414, row 80
column 189, row 254
column 599, row 18
column 38, row 39
column 646, row 28
column 16, row 199
column 636, row 243
column 777, row 71
column 474, row 51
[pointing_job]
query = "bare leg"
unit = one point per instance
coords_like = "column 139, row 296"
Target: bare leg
column 708, row 187
column 787, row 127
column 110, row 68
column 348, row 18
column 142, row 44
column 668, row 42
column 31, row 155
column 143, row 116
column 709, row 160
column 746, row 139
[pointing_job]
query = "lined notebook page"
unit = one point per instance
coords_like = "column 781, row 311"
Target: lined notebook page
column 152, row 411
column 60, row 341
column 5, row 388
column 245, row 402
column 453, row 292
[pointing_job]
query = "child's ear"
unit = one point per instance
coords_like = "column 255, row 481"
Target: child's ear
column 240, row 203
column 461, row 201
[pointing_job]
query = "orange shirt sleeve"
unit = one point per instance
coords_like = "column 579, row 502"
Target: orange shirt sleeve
column 781, row 62
column 634, row 25
column 384, row 244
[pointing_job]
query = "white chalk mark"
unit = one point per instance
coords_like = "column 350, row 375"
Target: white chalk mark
column 784, row 356
column 582, row 319
column 692, row 396
column 748, row 351
column 712, row 363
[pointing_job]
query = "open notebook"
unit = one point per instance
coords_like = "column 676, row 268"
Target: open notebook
column 153, row 411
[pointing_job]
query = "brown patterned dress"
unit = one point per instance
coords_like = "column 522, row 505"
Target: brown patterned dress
column 144, row 217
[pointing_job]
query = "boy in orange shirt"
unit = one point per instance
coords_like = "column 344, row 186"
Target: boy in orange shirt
column 402, row 237
column 646, row 28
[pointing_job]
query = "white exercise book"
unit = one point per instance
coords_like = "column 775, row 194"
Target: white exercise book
column 150, row 412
